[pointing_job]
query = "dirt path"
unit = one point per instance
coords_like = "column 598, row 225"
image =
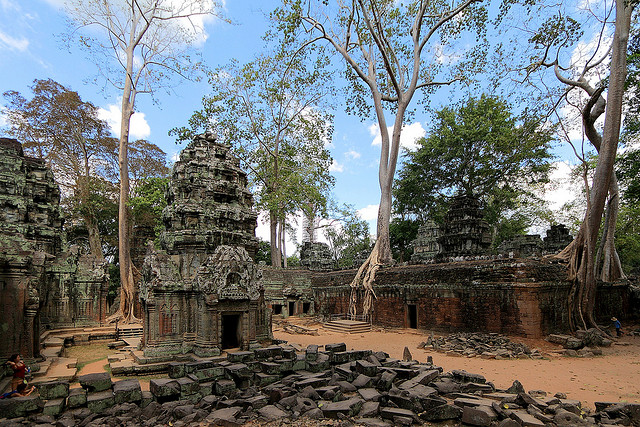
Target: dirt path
column 615, row 376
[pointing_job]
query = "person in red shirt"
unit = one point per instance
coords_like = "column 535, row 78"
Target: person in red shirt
column 19, row 370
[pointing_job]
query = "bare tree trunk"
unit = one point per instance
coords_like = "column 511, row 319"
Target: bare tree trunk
column 582, row 249
column 276, row 260
column 283, row 240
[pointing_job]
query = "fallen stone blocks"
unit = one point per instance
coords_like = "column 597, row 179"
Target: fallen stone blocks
column 267, row 385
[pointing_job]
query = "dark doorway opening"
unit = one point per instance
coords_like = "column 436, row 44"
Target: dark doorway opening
column 292, row 308
column 412, row 316
column 277, row 308
column 230, row 331
column 306, row 306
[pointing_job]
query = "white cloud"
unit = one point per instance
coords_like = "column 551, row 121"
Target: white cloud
column 352, row 154
column 336, row 167
column 12, row 43
column 410, row 133
column 139, row 128
column 369, row 213
column 561, row 189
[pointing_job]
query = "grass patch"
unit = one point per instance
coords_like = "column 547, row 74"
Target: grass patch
column 89, row 353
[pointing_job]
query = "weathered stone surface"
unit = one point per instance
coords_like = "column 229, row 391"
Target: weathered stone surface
column 54, row 407
column 392, row 413
column 127, row 391
column 348, row 407
column 20, row 406
column 362, row 381
column 333, row 348
column 478, row 416
column 225, row 416
column 225, row 387
column 77, row 397
column 442, row 413
column 95, row 382
column 165, row 388
column 99, row 402
column 53, row 389
column 369, row 394
column 272, row 413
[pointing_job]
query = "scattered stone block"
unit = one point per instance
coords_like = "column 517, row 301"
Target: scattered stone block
column 100, row 401
column 95, row 382
column 370, row 409
column 241, row 356
column 525, row 419
column 362, row 381
column 390, row 413
column 225, row 388
column 366, row 368
column 442, row 413
column 349, row 407
column 127, row 391
column 478, row 416
column 177, row 370
column 53, row 389
column 77, row 397
column 165, row 389
column 54, row 407
column 20, row 406
column 272, row 413
column 369, row 394
column 334, row 348
column 225, row 416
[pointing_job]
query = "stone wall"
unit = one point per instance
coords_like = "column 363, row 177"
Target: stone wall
column 288, row 287
column 520, row 297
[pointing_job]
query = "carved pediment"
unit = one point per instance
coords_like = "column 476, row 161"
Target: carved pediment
column 230, row 274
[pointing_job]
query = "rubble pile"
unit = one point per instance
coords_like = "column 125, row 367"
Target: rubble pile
column 279, row 384
column 583, row 344
column 488, row 346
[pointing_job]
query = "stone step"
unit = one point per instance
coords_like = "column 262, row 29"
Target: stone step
column 52, row 351
column 348, row 326
column 61, row 368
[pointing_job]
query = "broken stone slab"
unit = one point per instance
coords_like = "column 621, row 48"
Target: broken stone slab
column 373, row 422
column 391, row 413
column 467, row 377
column 95, row 382
column 177, row 370
column 386, row 380
column 311, row 353
column 225, row 416
column 362, row 381
column 349, row 407
column 262, row 379
column 442, row 413
column 473, row 402
column 238, row 371
column 314, row 382
column 525, row 419
column 209, row 373
column 20, row 406
column 478, row 416
column 366, row 368
column 335, row 348
column 273, row 413
column 369, row 394
column 77, row 397
column 369, row 409
column 128, row 391
column 53, row 389
column 100, row 401
column 424, row 378
column 346, row 387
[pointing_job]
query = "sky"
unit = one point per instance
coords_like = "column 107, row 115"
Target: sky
column 31, row 47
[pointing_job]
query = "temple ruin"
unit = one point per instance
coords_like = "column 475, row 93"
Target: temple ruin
column 201, row 290
column 44, row 283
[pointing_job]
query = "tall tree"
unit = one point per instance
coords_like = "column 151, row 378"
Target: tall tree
column 480, row 149
column 273, row 110
column 349, row 238
column 391, row 50
column 142, row 44
column 58, row 126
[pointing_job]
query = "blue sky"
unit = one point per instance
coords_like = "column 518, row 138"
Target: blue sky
column 31, row 48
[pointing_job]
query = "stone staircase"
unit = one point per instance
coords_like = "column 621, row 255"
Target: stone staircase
column 348, row 326
column 130, row 331
column 54, row 367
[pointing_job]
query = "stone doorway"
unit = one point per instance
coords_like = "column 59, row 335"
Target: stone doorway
column 412, row 316
column 231, row 331
column 292, row 308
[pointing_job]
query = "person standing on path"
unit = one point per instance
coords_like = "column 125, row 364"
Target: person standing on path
column 618, row 326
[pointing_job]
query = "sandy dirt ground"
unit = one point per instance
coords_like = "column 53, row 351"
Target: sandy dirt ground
column 612, row 377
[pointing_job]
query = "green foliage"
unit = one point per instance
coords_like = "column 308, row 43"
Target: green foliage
column 479, row 149
column 293, row 261
column 350, row 241
column 402, row 232
column 628, row 173
column 264, row 252
column 627, row 229
column 147, row 203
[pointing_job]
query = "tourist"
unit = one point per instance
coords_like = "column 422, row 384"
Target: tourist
column 21, row 391
column 616, row 324
column 19, row 370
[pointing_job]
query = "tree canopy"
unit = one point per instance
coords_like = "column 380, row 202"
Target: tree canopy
column 480, row 149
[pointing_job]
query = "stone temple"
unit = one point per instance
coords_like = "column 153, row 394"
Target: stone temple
column 201, row 291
